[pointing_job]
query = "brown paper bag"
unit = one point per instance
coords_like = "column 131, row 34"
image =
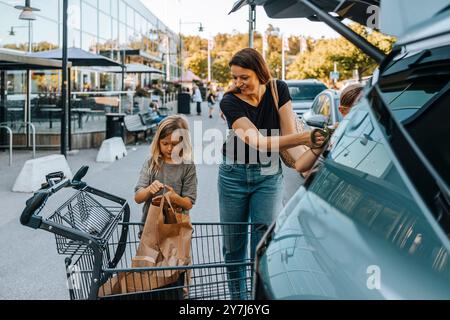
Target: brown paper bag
column 162, row 245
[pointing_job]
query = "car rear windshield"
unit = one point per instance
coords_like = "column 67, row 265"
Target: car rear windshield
column 305, row 92
column 408, row 98
column 419, row 99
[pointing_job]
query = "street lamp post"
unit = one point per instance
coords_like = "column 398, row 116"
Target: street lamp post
column 200, row 29
column 252, row 25
column 27, row 14
column 210, row 47
column 65, row 112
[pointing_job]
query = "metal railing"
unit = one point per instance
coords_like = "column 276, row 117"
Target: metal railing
column 10, row 132
column 33, row 134
column 33, row 130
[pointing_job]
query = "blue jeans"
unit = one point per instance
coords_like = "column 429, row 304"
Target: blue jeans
column 245, row 195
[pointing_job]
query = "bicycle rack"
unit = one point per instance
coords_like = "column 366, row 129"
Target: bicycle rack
column 10, row 132
column 33, row 130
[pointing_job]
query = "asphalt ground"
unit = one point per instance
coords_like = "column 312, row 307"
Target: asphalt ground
column 30, row 267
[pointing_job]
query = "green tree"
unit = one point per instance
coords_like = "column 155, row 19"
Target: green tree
column 274, row 62
column 221, row 70
column 319, row 60
column 198, row 64
column 294, row 45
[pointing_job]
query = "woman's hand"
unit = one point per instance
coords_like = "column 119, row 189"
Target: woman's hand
column 155, row 187
column 318, row 137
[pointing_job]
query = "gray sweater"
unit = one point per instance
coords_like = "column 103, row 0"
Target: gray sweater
column 181, row 177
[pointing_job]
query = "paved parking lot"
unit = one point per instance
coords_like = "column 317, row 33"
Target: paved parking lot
column 29, row 265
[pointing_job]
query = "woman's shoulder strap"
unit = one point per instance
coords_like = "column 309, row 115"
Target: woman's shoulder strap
column 274, row 90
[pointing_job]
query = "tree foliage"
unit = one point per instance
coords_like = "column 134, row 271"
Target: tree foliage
column 319, row 61
column 315, row 61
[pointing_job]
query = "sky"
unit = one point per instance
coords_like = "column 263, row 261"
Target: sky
column 213, row 14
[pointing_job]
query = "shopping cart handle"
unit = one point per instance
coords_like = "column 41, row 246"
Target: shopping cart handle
column 76, row 181
column 29, row 216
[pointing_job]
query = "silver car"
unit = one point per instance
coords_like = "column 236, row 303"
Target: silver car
column 324, row 110
column 303, row 93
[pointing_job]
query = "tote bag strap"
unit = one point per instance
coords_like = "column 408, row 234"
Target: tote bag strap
column 274, row 90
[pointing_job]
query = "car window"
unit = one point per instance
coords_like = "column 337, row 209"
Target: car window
column 325, row 108
column 358, row 178
column 419, row 100
column 305, row 92
column 317, row 105
column 406, row 99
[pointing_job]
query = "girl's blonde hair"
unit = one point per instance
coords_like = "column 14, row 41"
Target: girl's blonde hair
column 171, row 124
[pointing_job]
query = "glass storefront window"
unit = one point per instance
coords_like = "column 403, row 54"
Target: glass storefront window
column 89, row 19
column 115, row 31
column 89, row 42
column 49, row 9
column 93, row 3
column 48, row 40
column 15, row 98
column 122, row 11
column 131, row 38
column 130, row 17
column 74, row 38
column 105, row 31
column 46, row 101
column 10, row 21
column 105, row 6
column 114, row 9
column 122, row 34
column 93, row 25
column 141, row 24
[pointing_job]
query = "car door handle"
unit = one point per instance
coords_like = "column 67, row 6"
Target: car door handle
column 286, row 254
column 364, row 140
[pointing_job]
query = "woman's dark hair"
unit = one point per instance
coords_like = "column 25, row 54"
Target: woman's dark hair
column 249, row 58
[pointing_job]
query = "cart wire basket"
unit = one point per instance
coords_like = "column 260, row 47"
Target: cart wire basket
column 89, row 213
column 93, row 232
column 209, row 277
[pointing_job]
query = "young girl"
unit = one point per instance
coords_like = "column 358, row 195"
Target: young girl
column 170, row 168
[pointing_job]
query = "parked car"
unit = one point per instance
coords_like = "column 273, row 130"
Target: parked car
column 372, row 220
column 324, row 110
column 303, row 93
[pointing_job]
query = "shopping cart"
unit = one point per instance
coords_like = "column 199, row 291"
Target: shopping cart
column 93, row 231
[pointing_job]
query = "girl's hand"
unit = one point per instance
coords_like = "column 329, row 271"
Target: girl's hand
column 170, row 192
column 155, row 187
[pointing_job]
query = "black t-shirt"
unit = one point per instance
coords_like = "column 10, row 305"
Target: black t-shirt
column 211, row 98
column 265, row 117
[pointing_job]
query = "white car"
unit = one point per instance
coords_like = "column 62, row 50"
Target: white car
column 303, row 93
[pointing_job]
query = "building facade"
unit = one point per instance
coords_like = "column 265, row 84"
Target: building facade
column 109, row 27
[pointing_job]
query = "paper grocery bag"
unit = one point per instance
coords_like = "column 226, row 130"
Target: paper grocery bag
column 165, row 243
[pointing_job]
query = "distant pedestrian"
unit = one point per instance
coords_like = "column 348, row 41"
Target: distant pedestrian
column 220, row 94
column 211, row 98
column 164, row 172
column 198, row 99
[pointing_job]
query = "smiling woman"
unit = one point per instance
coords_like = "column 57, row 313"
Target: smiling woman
column 250, row 180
